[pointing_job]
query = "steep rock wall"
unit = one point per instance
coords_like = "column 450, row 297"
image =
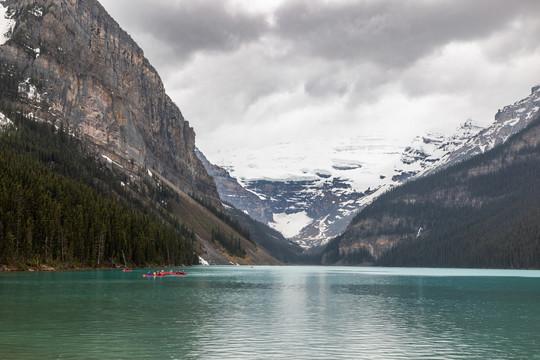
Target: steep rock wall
column 91, row 76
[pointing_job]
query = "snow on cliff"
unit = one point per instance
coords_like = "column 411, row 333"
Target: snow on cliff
column 4, row 121
column 6, row 24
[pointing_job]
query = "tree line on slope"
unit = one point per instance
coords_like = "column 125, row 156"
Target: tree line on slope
column 232, row 244
column 226, row 218
column 502, row 233
column 59, row 206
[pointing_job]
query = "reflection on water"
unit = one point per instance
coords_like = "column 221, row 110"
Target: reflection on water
column 272, row 312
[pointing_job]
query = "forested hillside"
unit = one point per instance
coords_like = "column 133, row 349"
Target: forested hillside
column 273, row 241
column 62, row 208
column 482, row 213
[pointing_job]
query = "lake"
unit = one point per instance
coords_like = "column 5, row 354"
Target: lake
column 239, row 312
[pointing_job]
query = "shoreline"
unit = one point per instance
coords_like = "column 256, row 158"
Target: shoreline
column 47, row 268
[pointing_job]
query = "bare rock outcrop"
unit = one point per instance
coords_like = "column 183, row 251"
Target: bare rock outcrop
column 82, row 70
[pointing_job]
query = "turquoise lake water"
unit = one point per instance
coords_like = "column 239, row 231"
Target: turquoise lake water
column 239, row 312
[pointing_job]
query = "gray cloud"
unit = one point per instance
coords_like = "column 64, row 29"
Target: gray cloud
column 326, row 86
column 345, row 64
column 187, row 27
column 388, row 32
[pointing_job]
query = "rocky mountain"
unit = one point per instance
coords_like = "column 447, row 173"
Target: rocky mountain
column 508, row 121
column 256, row 221
column 234, row 193
column 74, row 65
column 480, row 212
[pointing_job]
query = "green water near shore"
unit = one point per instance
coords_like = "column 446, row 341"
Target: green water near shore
column 272, row 312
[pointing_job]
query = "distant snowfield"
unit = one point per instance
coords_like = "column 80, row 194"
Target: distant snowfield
column 6, row 24
column 361, row 161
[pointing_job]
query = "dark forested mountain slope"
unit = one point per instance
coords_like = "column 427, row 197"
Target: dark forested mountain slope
column 484, row 212
column 61, row 207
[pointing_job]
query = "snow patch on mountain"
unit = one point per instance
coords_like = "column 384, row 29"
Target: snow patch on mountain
column 508, row 121
column 290, row 224
column 4, row 121
column 6, row 24
column 37, row 11
column 312, row 188
column 29, row 90
column 110, row 161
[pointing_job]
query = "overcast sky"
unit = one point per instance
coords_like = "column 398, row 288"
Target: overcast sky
column 258, row 72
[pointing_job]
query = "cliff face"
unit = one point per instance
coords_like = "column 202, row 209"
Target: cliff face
column 232, row 192
column 81, row 69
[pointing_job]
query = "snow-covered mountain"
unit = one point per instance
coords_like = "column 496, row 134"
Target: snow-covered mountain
column 428, row 152
column 508, row 121
column 312, row 196
column 310, row 191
